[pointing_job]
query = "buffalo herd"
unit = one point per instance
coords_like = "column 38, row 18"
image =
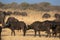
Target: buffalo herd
column 14, row 24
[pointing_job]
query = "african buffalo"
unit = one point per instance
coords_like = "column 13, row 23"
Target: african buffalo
column 23, row 14
column 56, row 29
column 55, row 26
column 3, row 15
column 51, row 25
column 0, row 32
column 14, row 24
column 8, row 12
column 38, row 26
column 16, row 13
column 20, row 13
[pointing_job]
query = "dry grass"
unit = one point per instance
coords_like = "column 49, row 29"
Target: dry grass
column 33, row 16
column 6, row 35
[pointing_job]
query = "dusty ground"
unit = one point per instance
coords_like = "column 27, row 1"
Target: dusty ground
column 6, row 35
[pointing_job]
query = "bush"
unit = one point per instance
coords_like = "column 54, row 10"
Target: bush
column 46, row 15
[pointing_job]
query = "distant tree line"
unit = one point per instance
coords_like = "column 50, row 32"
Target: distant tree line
column 43, row 6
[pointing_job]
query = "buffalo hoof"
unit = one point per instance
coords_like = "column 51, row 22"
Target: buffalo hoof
column 34, row 35
column 39, row 35
column 24, row 35
column 46, row 35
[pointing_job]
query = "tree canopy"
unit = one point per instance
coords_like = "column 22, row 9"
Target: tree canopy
column 43, row 6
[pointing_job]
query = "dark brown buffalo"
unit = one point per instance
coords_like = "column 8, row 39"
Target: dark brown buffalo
column 51, row 25
column 38, row 26
column 55, row 26
column 8, row 12
column 0, row 32
column 23, row 14
column 16, row 13
column 3, row 15
column 14, row 24
column 56, row 29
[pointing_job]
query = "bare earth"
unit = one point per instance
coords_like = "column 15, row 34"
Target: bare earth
column 6, row 35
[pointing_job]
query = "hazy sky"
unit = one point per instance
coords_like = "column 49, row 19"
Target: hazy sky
column 53, row 2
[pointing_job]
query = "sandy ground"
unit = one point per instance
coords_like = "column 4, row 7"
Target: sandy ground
column 6, row 35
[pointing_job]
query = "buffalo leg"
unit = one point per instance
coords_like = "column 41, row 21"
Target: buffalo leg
column 0, row 35
column 39, row 33
column 0, row 32
column 35, row 32
column 13, row 32
column 24, row 31
column 55, row 34
column 59, row 35
column 48, row 34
